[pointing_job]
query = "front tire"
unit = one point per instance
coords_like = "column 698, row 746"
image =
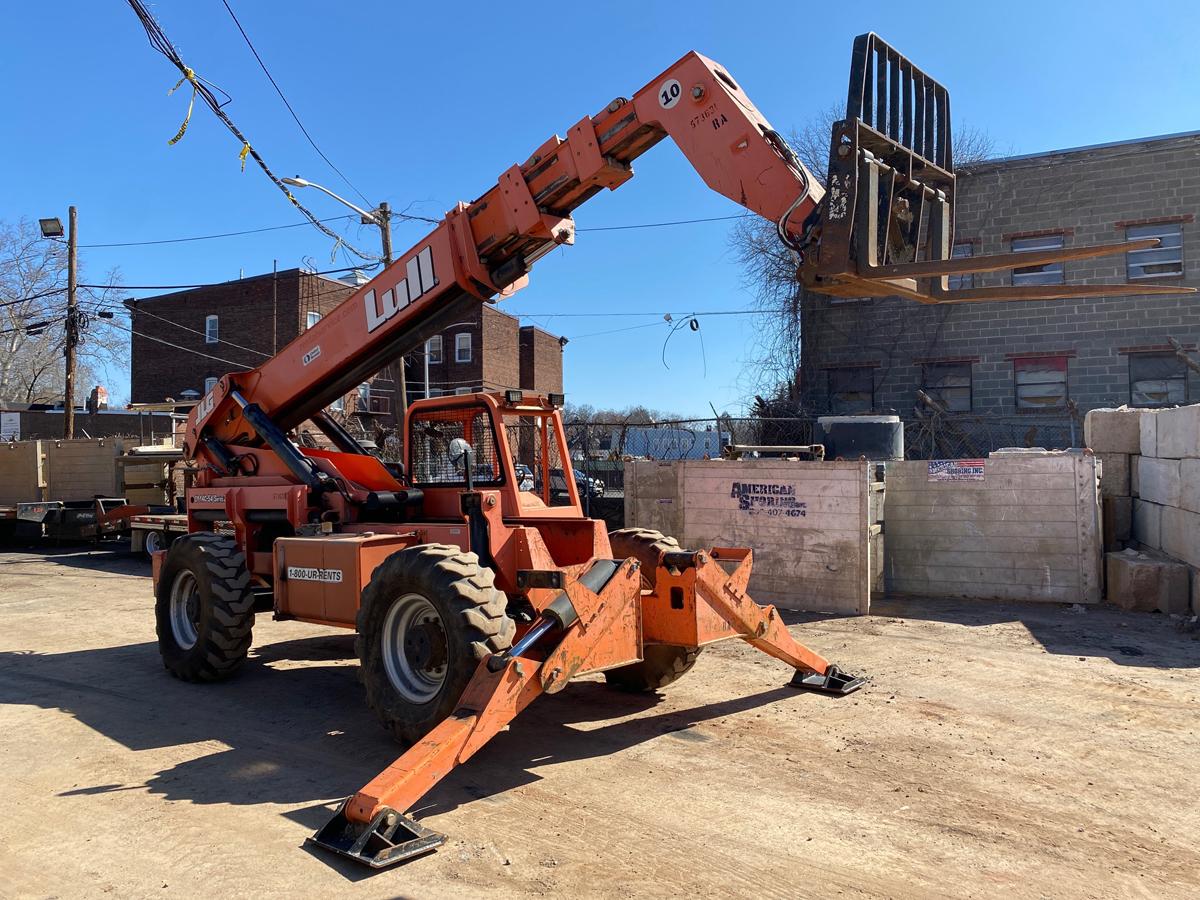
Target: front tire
column 204, row 608
column 661, row 663
column 428, row 616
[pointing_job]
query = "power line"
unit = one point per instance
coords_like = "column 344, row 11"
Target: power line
column 167, row 287
column 195, row 331
column 203, row 89
column 227, row 234
column 666, row 224
column 236, row 366
column 279, row 91
column 39, row 296
column 210, row 237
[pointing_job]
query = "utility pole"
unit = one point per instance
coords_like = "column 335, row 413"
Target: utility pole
column 383, row 218
column 274, row 306
column 384, row 221
column 72, row 329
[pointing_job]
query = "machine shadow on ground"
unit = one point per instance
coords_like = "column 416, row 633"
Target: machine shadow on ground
column 1125, row 638
column 299, row 732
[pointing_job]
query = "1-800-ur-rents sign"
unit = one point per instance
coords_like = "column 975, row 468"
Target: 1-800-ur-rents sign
column 770, row 498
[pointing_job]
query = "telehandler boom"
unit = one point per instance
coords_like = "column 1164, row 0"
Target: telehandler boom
column 471, row 596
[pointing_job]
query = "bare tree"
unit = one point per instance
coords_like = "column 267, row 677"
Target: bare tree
column 770, row 269
column 33, row 280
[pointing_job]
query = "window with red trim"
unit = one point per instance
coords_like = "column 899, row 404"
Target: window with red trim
column 1041, row 382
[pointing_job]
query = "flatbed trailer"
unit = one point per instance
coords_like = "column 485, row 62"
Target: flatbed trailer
column 152, row 532
column 94, row 519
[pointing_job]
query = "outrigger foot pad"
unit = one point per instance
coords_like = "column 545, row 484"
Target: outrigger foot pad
column 391, row 838
column 834, row 681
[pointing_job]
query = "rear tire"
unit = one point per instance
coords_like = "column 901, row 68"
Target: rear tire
column 204, row 609
column 155, row 541
column 428, row 616
column 661, row 663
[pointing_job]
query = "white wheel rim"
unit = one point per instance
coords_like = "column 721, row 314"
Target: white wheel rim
column 185, row 609
column 415, row 648
column 154, row 542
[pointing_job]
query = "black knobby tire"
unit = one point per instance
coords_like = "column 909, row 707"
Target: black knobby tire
column 212, row 570
column 661, row 663
column 473, row 625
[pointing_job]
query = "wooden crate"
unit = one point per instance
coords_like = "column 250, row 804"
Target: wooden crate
column 22, row 472
column 1030, row 529
column 808, row 523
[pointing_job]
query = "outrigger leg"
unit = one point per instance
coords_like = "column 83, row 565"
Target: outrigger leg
column 571, row 638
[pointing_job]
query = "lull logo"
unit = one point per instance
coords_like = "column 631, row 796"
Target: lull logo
column 419, row 280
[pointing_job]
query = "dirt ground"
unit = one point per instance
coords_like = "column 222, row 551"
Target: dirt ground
column 1012, row 750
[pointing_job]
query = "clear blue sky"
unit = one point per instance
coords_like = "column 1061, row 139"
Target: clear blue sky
column 427, row 104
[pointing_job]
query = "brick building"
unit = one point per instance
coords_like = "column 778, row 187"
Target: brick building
column 1044, row 357
column 487, row 350
column 185, row 341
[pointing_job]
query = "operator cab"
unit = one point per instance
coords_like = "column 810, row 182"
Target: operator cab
column 517, row 447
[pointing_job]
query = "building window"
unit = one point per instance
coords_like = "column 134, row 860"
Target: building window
column 963, row 250
column 338, row 405
column 462, row 347
column 1041, row 382
column 209, row 383
column 1157, row 379
column 433, row 349
column 852, row 390
column 1047, row 273
column 950, row 385
column 364, row 397
column 210, row 330
column 1163, row 261
column 465, row 390
column 313, row 319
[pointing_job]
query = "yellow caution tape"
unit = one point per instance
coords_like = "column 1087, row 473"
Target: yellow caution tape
column 242, row 156
column 188, row 75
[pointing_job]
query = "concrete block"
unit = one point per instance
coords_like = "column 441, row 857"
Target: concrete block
column 1138, row 581
column 1147, row 524
column 1134, row 487
column 1114, row 474
column 1179, row 432
column 1149, row 432
column 1189, row 484
column 1181, row 534
column 1159, row 481
column 1113, row 430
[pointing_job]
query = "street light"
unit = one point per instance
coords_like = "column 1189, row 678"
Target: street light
column 381, row 216
column 53, row 228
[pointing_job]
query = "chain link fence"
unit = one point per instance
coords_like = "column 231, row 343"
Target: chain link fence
column 599, row 449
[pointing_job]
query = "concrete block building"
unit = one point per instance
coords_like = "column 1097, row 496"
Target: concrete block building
column 1047, row 358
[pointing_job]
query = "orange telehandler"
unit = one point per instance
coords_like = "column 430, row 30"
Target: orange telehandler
column 470, row 596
